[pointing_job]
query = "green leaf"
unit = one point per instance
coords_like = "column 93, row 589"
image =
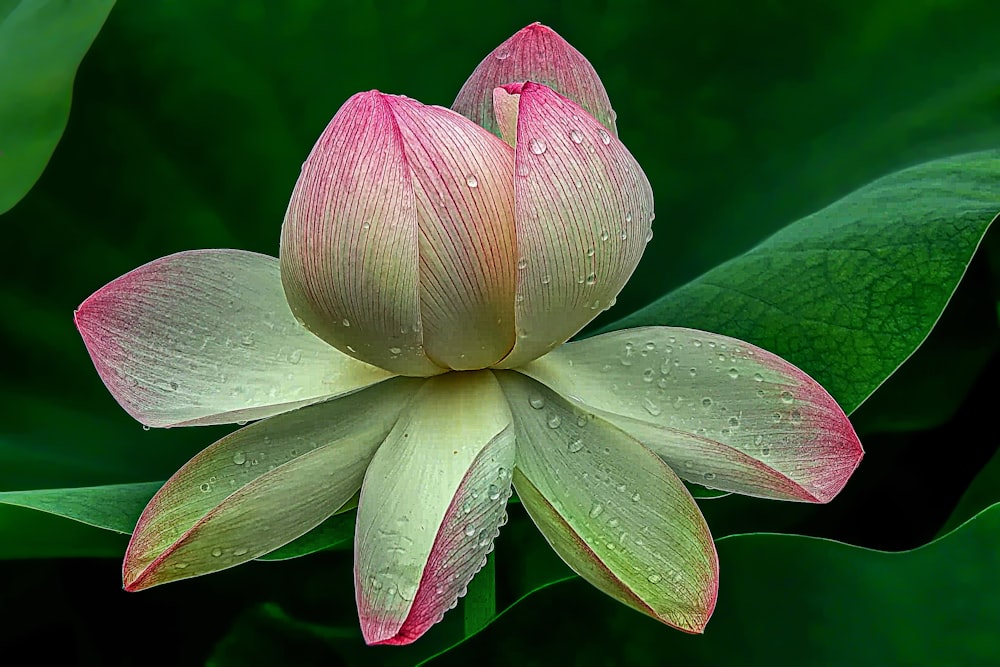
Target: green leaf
column 983, row 492
column 41, row 45
column 786, row 597
column 848, row 293
column 480, row 605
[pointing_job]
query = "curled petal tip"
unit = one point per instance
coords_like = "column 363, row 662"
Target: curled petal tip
column 534, row 53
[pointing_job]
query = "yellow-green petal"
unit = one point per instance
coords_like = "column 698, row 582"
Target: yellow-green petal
column 614, row 511
column 261, row 487
column 431, row 505
column 720, row 411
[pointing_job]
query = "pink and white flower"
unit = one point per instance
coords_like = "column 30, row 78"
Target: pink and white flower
column 408, row 343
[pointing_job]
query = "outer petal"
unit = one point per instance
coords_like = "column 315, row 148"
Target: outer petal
column 206, row 337
column 611, row 509
column 721, row 412
column 583, row 210
column 261, row 487
column 535, row 53
column 398, row 243
column 431, row 505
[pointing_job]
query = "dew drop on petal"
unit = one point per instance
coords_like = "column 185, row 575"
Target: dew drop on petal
column 651, row 407
column 537, row 146
column 554, row 421
column 216, row 552
column 595, row 510
column 239, row 458
column 470, row 530
column 576, row 136
column 605, row 137
column 537, row 402
column 471, row 181
column 575, row 445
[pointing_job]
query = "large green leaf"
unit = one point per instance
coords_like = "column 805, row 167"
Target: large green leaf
column 41, row 44
column 810, row 600
column 848, row 293
column 835, row 603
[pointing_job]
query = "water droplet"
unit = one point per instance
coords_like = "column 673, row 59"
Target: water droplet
column 734, row 421
column 146, row 427
column 605, row 137
column 366, row 226
column 696, row 342
column 180, row 566
column 536, row 146
column 554, row 421
column 624, row 235
column 590, row 252
column 648, row 375
column 591, row 278
column 636, row 497
column 581, row 421
column 576, row 136
column 493, row 492
column 467, row 507
column 786, row 397
column 470, row 530
column 575, row 445
column 522, row 264
column 394, row 350
column 595, row 510
column 733, row 373
column 295, row 356
column 484, row 539
column 239, row 458
column 240, row 551
column 765, row 450
column 216, row 552
column 651, row 407
column 205, row 488
column 707, row 402
column 709, row 476
column 649, row 235
column 604, row 235
column 693, row 372
column 242, row 422
column 502, row 472
column 654, row 578
column 537, row 402
column 757, row 377
column 776, row 417
column 471, row 181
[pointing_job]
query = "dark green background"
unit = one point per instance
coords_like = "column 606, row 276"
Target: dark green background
column 188, row 126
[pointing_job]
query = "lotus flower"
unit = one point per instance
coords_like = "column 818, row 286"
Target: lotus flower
column 408, row 343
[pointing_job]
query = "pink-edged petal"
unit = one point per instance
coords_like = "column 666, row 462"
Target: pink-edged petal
column 398, row 244
column 261, row 487
column 350, row 243
column 583, row 210
column 722, row 413
column 206, row 337
column 463, row 182
column 614, row 511
column 534, row 53
column 431, row 505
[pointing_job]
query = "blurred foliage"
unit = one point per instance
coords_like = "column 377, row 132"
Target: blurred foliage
column 188, row 127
